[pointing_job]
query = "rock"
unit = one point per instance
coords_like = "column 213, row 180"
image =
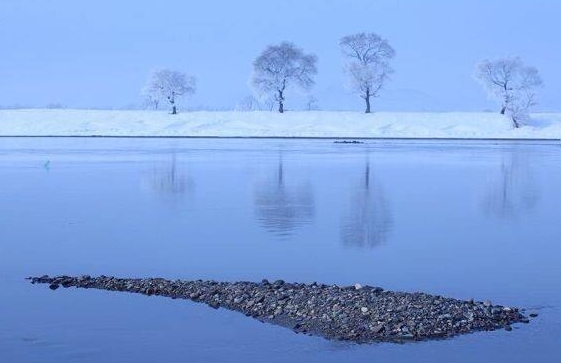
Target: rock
column 358, row 286
column 363, row 315
column 533, row 315
column 487, row 303
column 508, row 327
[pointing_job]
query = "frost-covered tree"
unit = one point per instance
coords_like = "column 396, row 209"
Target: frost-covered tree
column 280, row 67
column 368, row 65
column 512, row 83
column 169, row 85
column 312, row 103
column 150, row 99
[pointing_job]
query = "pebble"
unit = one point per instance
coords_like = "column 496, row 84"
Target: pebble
column 54, row 286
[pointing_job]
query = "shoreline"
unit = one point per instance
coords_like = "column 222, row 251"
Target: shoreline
column 497, row 139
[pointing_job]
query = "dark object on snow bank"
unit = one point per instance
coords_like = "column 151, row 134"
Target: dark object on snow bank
column 348, row 142
column 355, row 313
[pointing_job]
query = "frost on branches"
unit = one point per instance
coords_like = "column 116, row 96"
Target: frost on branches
column 512, row 83
column 169, row 85
column 368, row 65
column 280, row 67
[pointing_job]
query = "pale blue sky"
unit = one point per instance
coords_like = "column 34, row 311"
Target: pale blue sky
column 98, row 53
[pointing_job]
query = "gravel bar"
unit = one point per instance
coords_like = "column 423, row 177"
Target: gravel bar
column 362, row 314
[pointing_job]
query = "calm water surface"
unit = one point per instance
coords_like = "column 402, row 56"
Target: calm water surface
column 465, row 219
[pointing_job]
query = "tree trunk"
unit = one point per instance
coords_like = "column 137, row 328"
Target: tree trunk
column 281, row 104
column 503, row 110
column 367, row 99
column 172, row 102
column 516, row 124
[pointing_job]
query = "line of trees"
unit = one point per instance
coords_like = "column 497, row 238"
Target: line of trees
column 283, row 67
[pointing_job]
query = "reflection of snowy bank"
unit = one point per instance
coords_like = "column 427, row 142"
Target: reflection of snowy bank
column 263, row 123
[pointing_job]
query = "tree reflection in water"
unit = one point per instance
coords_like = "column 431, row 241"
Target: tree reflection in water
column 368, row 220
column 170, row 181
column 512, row 191
column 282, row 207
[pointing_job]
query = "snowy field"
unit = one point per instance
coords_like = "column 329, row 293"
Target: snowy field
column 68, row 122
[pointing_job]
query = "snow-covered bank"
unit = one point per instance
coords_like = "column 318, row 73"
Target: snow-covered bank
column 67, row 122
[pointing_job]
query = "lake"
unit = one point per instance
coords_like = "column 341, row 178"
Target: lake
column 469, row 219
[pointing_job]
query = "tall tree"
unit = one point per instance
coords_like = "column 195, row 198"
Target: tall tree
column 368, row 65
column 280, row 67
column 169, row 85
column 510, row 82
